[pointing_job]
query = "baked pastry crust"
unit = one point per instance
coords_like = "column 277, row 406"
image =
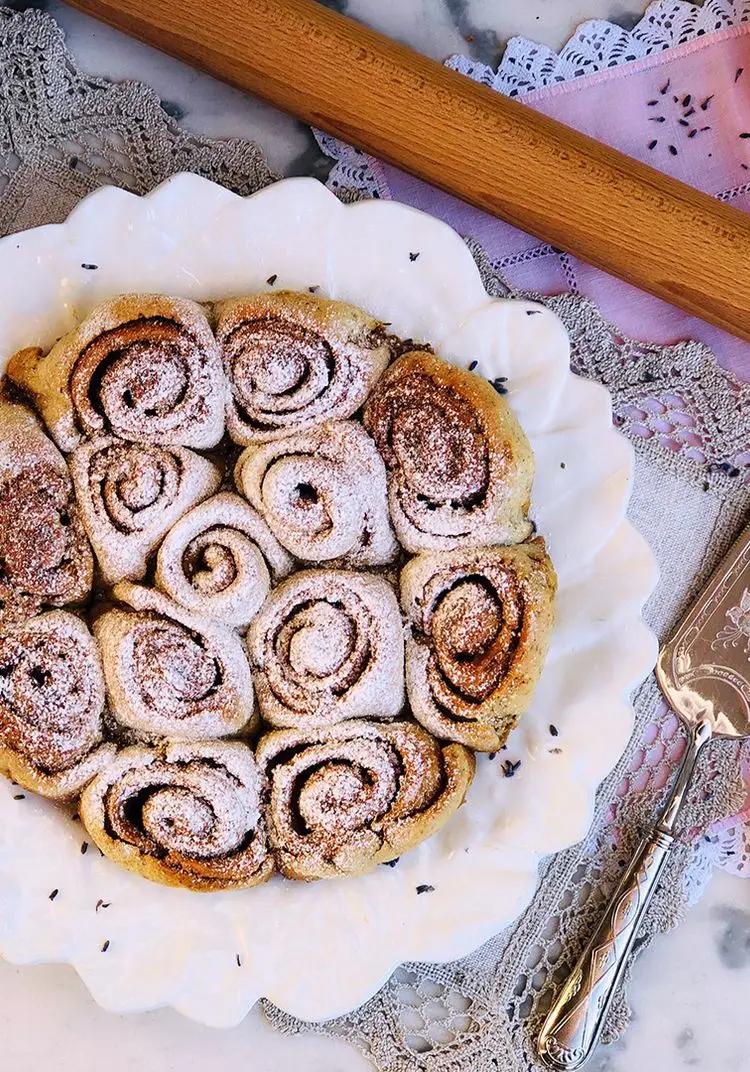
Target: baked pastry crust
column 480, row 620
column 323, row 492
column 45, row 558
column 294, row 360
column 143, row 367
column 183, row 814
column 219, row 560
column 171, row 673
column 51, row 706
column 459, row 464
column 348, row 797
column 327, row 646
column 131, row 494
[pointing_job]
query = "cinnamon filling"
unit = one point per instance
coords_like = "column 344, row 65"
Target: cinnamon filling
column 128, row 481
column 50, row 695
column 277, row 369
column 475, row 630
column 134, row 374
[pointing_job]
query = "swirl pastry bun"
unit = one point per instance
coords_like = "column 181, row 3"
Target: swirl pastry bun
column 219, row 560
column 51, row 705
column 130, row 494
column 326, row 646
column 171, row 673
column 480, row 622
column 295, row 360
column 256, row 589
column 459, row 465
column 323, row 492
column 183, row 814
column 45, row 558
column 143, row 367
column 345, row 798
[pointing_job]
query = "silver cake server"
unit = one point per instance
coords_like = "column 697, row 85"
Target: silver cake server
column 704, row 673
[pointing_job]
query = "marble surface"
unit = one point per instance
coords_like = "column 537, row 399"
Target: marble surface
column 690, row 990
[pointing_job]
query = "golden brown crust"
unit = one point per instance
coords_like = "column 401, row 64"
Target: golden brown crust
column 348, row 797
column 459, row 465
column 480, row 622
column 219, row 560
column 182, row 814
column 323, row 493
column 144, row 367
column 295, row 360
column 130, row 495
column 45, row 558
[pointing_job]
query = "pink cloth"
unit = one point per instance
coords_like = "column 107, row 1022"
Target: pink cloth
column 641, row 108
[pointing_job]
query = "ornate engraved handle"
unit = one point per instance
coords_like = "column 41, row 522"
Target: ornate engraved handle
column 575, row 1021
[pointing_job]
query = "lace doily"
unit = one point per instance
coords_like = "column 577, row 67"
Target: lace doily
column 675, row 402
column 62, row 134
column 597, row 44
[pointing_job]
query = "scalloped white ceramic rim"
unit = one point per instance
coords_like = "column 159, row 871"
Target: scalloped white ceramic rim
column 320, row 950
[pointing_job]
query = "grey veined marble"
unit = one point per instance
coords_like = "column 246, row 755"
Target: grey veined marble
column 690, row 992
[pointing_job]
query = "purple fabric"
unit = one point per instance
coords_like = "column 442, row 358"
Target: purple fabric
column 684, row 111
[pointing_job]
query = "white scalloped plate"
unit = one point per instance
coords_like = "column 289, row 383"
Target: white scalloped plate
column 319, row 950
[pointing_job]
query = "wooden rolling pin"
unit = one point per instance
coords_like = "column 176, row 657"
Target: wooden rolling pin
column 496, row 153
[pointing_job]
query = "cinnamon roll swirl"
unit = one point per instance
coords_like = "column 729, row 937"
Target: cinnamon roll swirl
column 141, row 366
column 459, row 465
column 323, row 493
column 327, row 645
column 170, row 673
column 294, row 360
column 480, row 623
column 131, row 494
column 182, row 814
column 219, row 560
column 45, row 558
column 346, row 798
column 51, row 704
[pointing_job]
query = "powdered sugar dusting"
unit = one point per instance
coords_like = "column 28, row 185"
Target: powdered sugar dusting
column 327, row 646
column 51, row 701
column 131, row 494
column 294, row 360
column 220, row 560
column 171, row 673
column 459, row 465
column 481, row 621
column 51, row 690
column 147, row 369
column 323, row 493
column 190, row 812
column 44, row 554
column 321, row 643
column 348, row 798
